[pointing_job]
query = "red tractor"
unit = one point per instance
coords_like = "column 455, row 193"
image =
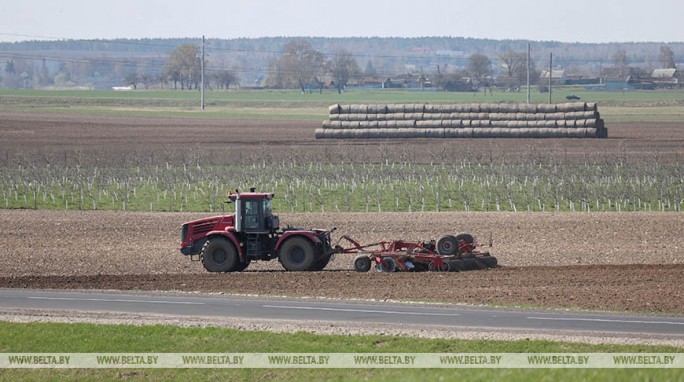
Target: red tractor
column 228, row 243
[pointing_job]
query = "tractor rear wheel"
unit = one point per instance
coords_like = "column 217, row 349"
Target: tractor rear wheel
column 297, row 254
column 320, row 263
column 447, row 245
column 242, row 266
column 362, row 263
column 219, row 255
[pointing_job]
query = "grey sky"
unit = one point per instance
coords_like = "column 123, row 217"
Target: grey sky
column 567, row 20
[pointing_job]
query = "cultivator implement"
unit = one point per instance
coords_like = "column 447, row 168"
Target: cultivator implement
column 450, row 254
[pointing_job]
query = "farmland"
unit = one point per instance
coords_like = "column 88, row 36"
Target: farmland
column 88, row 159
column 113, row 158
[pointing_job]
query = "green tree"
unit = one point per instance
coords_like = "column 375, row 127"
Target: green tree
column 343, row 67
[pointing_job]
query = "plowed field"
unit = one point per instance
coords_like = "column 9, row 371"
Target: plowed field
column 613, row 261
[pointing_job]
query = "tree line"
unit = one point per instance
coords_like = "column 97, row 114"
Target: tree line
column 298, row 65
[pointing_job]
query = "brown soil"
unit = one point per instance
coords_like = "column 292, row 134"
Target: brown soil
column 39, row 136
column 546, row 258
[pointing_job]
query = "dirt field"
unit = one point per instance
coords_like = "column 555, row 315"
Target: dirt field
column 37, row 137
column 611, row 261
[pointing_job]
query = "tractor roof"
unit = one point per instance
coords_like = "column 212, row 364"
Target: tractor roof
column 251, row 195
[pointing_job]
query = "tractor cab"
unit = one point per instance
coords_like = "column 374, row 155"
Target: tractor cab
column 253, row 212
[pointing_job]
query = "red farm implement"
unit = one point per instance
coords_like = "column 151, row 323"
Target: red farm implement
column 451, row 253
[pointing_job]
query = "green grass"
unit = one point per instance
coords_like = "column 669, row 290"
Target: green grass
column 86, row 338
column 632, row 106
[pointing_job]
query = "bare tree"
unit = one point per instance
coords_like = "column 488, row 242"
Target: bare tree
column 342, row 68
column 621, row 63
column 666, row 57
column 479, row 67
column 516, row 68
column 300, row 63
column 183, row 65
column 224, row 78
column 132, row 80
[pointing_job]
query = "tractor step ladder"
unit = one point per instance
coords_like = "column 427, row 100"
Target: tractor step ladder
column 252, row 246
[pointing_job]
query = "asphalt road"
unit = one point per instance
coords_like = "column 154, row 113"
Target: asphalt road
column 350, row 313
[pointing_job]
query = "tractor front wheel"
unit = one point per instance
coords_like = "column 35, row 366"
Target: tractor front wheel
column 218, row 255
column 297, row 254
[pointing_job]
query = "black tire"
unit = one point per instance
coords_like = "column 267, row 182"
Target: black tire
column 386, row 264
column 456, row 266
column 320, row 264
column 297, row 254
column 464, row 237
column 242, row 266
column 362, row 263
column 470, row 264
column 219, row 255
column 489, row 261
column 447, row 245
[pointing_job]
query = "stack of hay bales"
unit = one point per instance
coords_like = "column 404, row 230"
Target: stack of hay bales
column 505, row 120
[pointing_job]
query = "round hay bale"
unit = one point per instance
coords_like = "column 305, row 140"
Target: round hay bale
column 415, row 116
column 575, row 133
column 334, row 109
column 482, row 116
column 408, row 108
column 345, row 109
column 393, row 124
column 394, row 108
column 433, row 133
column 406, row 124
column 554, row 116
column 382, row 124
column 479, row 132
column 377, row 109
column 591, row 132
column 326, row 124
column 354, row 109
column 546, row 108
column 450, row 133
column 319, row 133
column 428, row 124
column 591, row 106
column 525, row 108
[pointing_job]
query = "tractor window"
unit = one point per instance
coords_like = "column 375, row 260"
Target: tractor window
column 268, row 211
column 251, row 214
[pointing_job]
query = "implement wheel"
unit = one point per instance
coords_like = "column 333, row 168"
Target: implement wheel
column 297, row 254
column 219, row 255
column 362, row 263
column 466, row 238
column 447, row 245
column 386, row 264
column 434, row 267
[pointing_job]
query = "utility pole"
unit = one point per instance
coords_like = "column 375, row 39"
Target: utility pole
column 202, row 77
column 528, row 73
column 550, row 74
